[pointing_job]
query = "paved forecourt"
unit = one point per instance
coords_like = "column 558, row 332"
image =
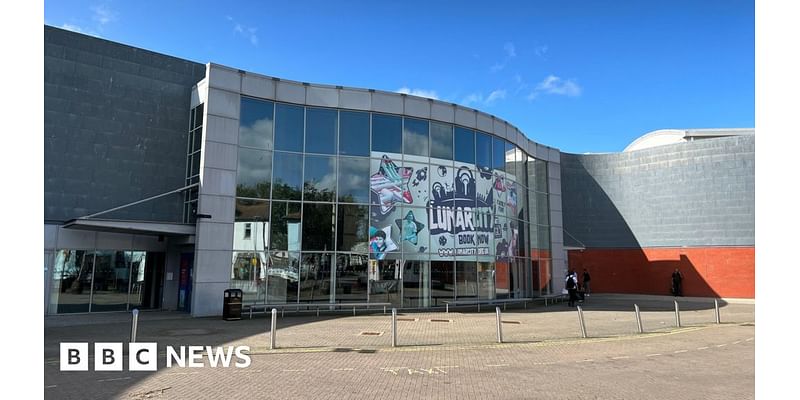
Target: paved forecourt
column 440, row 355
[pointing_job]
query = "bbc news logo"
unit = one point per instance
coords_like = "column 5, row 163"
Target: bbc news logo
column 144, row 356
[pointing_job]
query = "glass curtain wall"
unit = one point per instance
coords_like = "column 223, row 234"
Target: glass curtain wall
column 341, row 206
column 98, row 281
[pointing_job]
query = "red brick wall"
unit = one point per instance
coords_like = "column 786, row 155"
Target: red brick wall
column 707, row 271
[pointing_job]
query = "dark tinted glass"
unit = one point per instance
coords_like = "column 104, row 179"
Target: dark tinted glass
column 288, row 127
column 319, row 181
column 318, row 227
column 483, row 150
column 253, row 175
column 198, row 119
column 321, row 126
column 442, row 280
column 387, row 133
column 255, row 123
column 288, row 176
column 499, row 154
column 353, row 180
column 415, row 137
column 197, row 137
column 464, row 145
column 353, row 133
column 352, row 228
column 442, row 141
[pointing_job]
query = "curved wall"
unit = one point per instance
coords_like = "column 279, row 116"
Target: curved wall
column 401, row 184
column 640, row 214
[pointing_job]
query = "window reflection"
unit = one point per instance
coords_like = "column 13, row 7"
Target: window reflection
column 321, row 125
column 483, row 151
column 354, row 133
column 111, row 279
column 72, row 281
column 254, row 173
column 441, row 141
column 415, row 137
column 352, row 225
column 464, row 143
column 251, row 210
column 320, row 178
column 387, row 133
column 285, row 224
column 498, row 154
column 318, row 226
column 288, row 127
column 249, row 273
column 351, row 278
column 353, row 180
column 288, row 176
column 255, row 123
column 315, row 277
column 282, row 277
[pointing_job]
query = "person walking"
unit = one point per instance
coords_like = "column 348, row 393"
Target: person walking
column 587, row 280
column 571, row 284
column 677, row 283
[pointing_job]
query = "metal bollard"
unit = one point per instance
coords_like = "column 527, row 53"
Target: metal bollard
column 134, row 324
column 677, row 315
column 273, row 328
column 394, row 327
column 583, row 325
column 499, row 325
column 716, row 310
column 638, row 318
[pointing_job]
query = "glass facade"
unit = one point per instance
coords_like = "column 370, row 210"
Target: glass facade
column 358, row 206
column 104, row 280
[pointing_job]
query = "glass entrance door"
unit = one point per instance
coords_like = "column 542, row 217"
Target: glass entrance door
column 416, row 283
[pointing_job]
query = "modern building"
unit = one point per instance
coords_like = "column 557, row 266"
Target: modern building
column 168, row 182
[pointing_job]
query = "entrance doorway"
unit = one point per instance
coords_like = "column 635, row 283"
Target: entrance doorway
column 147, row 283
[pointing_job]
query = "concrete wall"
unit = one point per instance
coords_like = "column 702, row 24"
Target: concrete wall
column 699, row 193
column 115, row 124
column 641, row 214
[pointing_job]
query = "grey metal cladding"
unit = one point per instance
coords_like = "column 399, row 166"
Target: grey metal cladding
column 698, row 193
column 116, row 123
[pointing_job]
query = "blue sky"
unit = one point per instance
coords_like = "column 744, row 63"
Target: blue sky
column 581, row 76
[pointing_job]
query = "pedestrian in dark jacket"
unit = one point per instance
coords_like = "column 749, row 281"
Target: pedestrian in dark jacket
column 677, row 283
column 587, row 279
column 571, row 284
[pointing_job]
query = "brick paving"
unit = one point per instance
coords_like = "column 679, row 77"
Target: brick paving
column 544, row 355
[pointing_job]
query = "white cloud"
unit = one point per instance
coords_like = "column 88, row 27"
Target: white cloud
column 76, row 28
column 496, row 95
column 478, row 99
column 555, row 85
column 540, row 51
column 511, row 51
column 431, row 94
column 247, row 32
column 472, row 98
column 103, row 14
column 70, row 27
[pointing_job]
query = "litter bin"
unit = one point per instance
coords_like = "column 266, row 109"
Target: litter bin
column 232, row 305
